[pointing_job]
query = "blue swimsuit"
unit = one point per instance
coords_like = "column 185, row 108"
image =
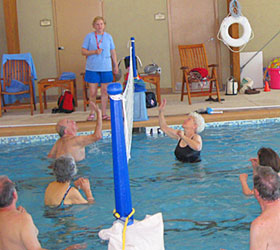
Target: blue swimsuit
column 61, row 205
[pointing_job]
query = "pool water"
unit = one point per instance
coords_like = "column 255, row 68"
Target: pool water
column 202, row 204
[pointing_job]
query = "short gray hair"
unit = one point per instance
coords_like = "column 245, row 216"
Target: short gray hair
column 267, row 182
column 199, row 121
column 61, row 131
column 7, row 189
column 65, row 168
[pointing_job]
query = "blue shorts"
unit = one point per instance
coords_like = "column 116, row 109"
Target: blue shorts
column 98, row 77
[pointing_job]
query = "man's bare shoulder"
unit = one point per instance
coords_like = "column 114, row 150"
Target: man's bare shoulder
column 258, row 223
column 25, row 217
column 260, row 226
column 17, row 217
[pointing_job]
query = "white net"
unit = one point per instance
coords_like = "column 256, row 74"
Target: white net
column 128, row 99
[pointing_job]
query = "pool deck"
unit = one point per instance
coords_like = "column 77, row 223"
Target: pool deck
column 20, row 122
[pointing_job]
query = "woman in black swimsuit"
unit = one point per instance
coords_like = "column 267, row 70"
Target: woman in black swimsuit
column 189, row 141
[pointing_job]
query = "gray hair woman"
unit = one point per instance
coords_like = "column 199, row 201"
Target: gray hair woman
column 61, row 192
column 189, row 141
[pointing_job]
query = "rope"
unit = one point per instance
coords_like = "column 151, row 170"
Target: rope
column 117, row 215
column 259, row 51
column 235, row 8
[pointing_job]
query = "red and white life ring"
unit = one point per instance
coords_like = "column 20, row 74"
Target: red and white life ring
column 235, row 42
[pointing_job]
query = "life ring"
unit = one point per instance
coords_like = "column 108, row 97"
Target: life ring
column 235, row 42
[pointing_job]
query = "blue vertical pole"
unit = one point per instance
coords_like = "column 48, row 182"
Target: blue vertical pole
column 133, row 57
column 121, row 178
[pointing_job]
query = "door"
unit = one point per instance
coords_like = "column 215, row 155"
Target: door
column 73, row 20
column 192, row 22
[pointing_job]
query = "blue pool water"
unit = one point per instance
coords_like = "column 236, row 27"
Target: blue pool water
column 202, row 204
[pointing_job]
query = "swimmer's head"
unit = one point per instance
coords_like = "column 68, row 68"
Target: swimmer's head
column 198, row 120
column 64, row 168
column 7, row 189
column 66, row 126
column 267, row 183
column 268, row 157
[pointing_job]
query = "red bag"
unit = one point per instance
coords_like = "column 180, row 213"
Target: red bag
column 203, row 72
column 66, row 102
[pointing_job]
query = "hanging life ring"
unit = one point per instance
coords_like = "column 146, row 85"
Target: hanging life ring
column 235, row 42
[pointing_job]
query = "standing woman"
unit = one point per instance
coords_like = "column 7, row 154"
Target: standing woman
column 99, row 49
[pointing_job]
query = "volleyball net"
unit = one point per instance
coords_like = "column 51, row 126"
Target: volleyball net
column 125, row 233
column 128, row 103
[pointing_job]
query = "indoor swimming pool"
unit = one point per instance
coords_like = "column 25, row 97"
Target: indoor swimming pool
column 202, row 203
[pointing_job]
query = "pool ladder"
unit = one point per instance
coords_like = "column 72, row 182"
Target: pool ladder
column 153, row 131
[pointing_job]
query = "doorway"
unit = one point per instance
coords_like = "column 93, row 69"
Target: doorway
column 192, row 22
column 72, row 22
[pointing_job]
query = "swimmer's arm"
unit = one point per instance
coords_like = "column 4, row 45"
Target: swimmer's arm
column 195, row 143
column 29, row 234
column 97, row 135
column 245, row 188
column 77, row 198
column 172, row 133
column 84, row 184
column 52, row 153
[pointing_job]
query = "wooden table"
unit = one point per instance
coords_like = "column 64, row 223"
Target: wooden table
column 47, row 83
column 154, row 79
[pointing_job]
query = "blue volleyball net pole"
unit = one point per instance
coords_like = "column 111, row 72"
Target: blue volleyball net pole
column 123, row 202
column 132, row 40
column 145, row 234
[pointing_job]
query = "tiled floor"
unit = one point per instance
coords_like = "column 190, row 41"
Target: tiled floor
column 263, row 105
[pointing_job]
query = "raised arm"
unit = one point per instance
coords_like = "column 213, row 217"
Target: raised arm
column 76, row 197
column 172, row 133
column 245, row 188
column 97, row 135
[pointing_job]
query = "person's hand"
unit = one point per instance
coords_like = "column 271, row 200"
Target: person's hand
column 254, row 161
column 21, row 209
column 116, row 70
column 162, row 105
column 180, row 133
column 243, row 177
column 77, row 246
column 82, row 183
column 98, row 51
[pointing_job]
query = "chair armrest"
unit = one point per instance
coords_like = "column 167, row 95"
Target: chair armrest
column 184, row 68
column 213, row 65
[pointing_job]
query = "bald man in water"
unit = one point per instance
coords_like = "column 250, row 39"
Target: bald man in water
column 17, row 230
column 70, row 143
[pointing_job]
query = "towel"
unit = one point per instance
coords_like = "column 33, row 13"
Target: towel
column 28, row 58
column 67, row 76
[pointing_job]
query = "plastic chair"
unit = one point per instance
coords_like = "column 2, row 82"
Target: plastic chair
column 194, row 57
column 16, row 84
